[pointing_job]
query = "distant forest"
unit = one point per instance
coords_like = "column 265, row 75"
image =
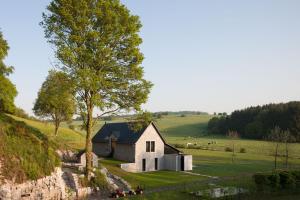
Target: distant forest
column 257, row 122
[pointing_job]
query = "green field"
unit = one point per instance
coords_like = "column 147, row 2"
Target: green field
column 209, row 159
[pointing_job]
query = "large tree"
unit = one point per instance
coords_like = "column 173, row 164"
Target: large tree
column 8, row 91
column 55, row 99
column 97, row 43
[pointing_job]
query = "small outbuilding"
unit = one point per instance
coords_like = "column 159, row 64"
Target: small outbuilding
column 81, row 158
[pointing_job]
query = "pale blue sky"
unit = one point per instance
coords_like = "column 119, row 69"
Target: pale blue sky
column 208, row 55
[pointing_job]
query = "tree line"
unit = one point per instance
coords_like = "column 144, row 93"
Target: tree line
column 258, row 122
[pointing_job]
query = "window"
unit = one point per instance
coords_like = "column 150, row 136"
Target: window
column 152, row 146
column 148, row 146
column 156, row 163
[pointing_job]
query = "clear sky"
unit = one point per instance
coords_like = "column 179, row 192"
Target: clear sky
column 210, row 55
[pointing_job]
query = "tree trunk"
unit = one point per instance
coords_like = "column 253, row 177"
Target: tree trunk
column 88, row 144
column 56, row 123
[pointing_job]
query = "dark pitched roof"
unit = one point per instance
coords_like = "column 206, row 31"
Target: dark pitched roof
column 122, row 132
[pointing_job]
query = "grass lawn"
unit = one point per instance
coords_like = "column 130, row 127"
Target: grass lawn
column 217, row 163
column 149, row 179
column 66, row 137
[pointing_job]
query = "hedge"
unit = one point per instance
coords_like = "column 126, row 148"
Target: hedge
column 277, row 180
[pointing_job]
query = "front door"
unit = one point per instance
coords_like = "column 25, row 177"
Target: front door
column 182, row 163
column 144, row 165
column 156, row 163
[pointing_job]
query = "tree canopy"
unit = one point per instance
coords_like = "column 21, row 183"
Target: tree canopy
column 257, row 122
column 8, row 91
column 55, row 99
column 97, row 43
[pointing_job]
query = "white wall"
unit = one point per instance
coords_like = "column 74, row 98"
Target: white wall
column 94, row 160
column 188, row 162
column 150, row 134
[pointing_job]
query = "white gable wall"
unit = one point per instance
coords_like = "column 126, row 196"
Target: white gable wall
column 150, row 134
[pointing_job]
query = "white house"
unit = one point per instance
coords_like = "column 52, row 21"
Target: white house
column 144, row 150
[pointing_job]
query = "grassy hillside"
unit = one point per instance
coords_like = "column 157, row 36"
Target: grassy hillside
column 169, row 125
column 25, row 153
column 66, row 138
column 190, row 125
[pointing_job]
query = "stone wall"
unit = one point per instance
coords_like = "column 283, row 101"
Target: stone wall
column 48, row 188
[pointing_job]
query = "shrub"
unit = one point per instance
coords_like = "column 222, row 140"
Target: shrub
column 228, row 149
column 242, row 150
column 71, row 126
column 179, row 146
column 274, row 180
column 99, row 180
column 261, row 181
column 287, row 180
column 296, row 174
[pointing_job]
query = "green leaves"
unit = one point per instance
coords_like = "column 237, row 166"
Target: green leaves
column 8, row 91
column 97, row 43
column 55, row 98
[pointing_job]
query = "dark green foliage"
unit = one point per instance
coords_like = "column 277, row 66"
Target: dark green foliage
column 242, row 150
column 276, row 180
column 287, row 179
column 261, row 181
column 179, row 146
column 71, row 126
column 141, row 121
column 257, row 122
column 99, row 181
column 228, row 149
column 25, row 152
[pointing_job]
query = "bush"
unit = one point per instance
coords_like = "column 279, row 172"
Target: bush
column 99, row 180
column 296, row 174
column 261, row 181
column 71, row 126
column 228, row 149
column 242, row 150
column 287, row 180
column 278, row 179
column 182, row 146
column 274, row 180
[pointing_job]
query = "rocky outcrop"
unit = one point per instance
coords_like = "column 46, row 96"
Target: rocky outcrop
column 59, row 185
column 115, row 182
column 48, row 188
